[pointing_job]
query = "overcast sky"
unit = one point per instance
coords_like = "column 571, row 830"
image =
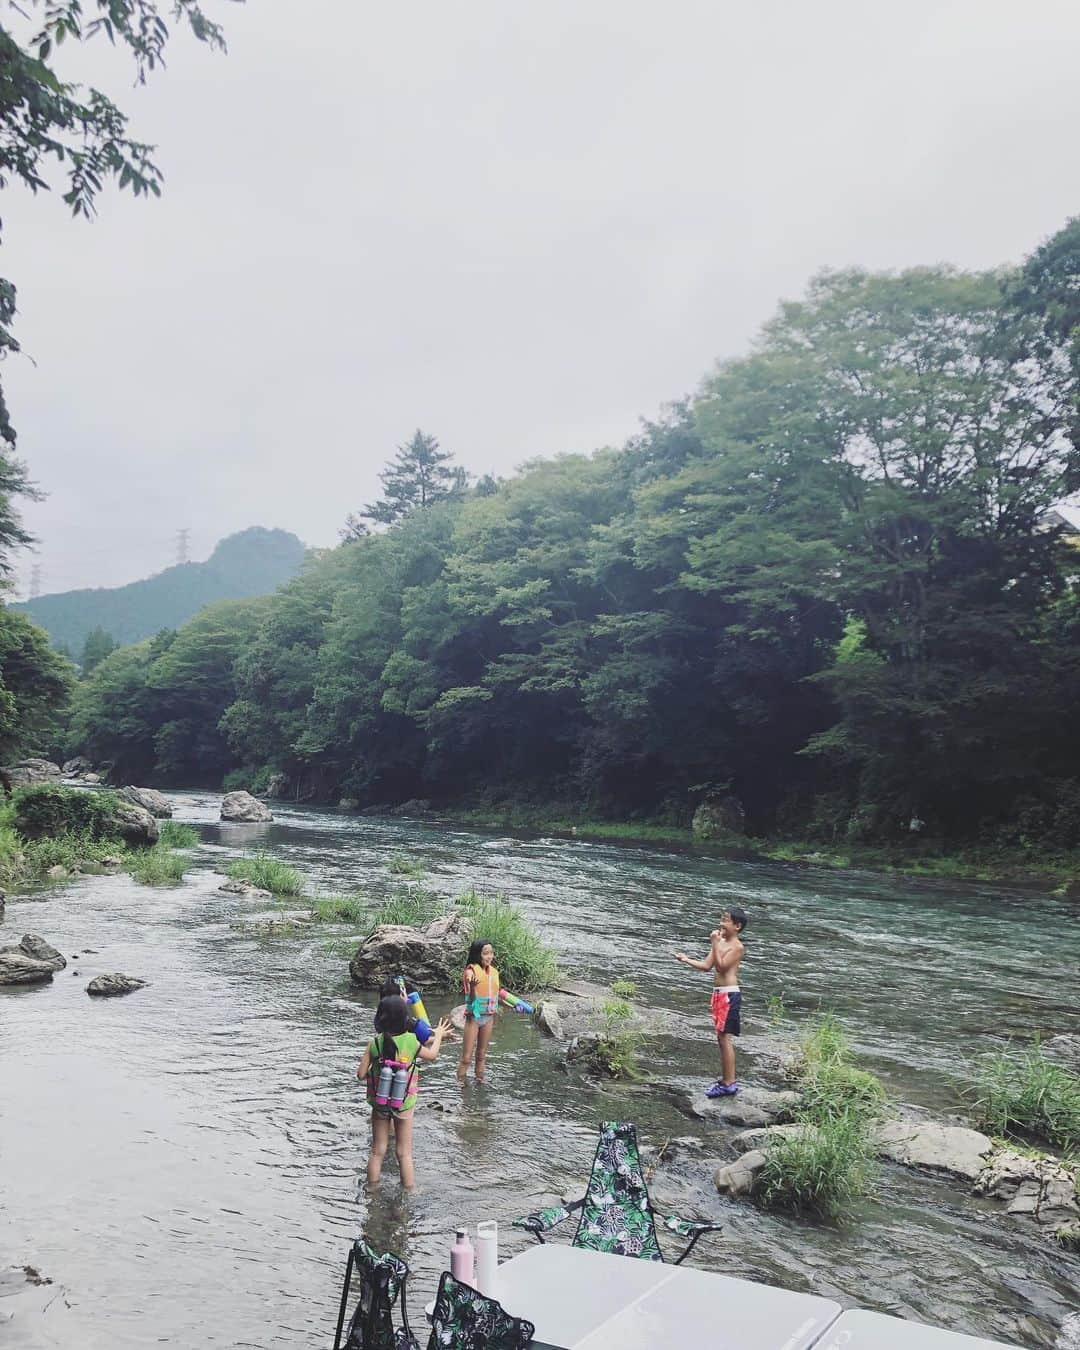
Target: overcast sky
column 518, row 226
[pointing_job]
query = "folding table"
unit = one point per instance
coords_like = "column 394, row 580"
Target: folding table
column 863, row 1330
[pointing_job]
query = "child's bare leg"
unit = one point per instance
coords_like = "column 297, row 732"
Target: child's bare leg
column 380, row 1137
column 403, row 1148
column 468, row 1045
column 727, row 1057
column 482, row 1042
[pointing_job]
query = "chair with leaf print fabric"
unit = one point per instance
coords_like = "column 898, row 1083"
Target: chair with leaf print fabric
column 616, row 1213
column 466, row 1320
column 382, row 1279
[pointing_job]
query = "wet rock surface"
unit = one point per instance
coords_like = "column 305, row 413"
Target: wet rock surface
column 1041, row 1188
column 114, row 984
column 134, row 823
column 244, row 808
column 433, row 955
column 247, row 889
column 40, row 950
column 749, row 1107
column 149, row 799
column 938, row 1147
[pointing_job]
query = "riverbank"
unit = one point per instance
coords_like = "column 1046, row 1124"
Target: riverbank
column 1058, row 872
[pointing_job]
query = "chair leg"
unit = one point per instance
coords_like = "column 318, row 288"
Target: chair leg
column 344, row 1299
column 405, row 1311
column 689, row 1248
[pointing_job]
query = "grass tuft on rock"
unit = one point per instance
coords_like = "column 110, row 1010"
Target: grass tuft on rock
column 175, row 835
column 1026, row 1095
column 524, row 959
column 413, row 906
column 825, row 1167
column 267, row 873
column 355, row 909
column 157, row 866
column 623, row 988
column 820, row 1171
column 400, row 865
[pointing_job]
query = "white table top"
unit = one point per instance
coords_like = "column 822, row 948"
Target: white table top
column 582, row 1300
column 863, row 1330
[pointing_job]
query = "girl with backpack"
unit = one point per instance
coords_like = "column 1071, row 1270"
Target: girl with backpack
column 389, row 1070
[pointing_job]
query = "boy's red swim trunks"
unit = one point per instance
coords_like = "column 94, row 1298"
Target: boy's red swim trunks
column 725, row 1007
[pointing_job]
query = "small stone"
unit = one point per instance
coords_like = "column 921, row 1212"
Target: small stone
column 106, row 986
column 57, row 872
column 738, row 1177
column 548, row 1020
column 749, row 1140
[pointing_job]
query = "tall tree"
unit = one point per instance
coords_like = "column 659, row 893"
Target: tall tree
column 420, row 473
column 96, row 648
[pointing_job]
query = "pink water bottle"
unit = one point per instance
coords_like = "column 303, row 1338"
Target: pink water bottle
column 461, row 1257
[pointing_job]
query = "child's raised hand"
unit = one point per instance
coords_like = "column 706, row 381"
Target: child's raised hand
column 681, row 956
column 444, row 1026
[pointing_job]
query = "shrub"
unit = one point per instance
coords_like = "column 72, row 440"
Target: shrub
column 402, row 866
column 255, row 781
column 45, row 810
column 1027, row 1094
column 175, row 835
column 415, row 907
column 524, row 960
column 268, row 874
column 624, row 988
column 341, row 909
column 156, row 866
column 820, row 1170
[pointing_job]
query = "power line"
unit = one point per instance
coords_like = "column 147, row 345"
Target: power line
column 182, row 545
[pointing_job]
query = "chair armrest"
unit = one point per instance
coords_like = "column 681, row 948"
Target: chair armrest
column 687, row 1229
column 544, row 1220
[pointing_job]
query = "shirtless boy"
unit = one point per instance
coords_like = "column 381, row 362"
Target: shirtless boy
column 725, row 953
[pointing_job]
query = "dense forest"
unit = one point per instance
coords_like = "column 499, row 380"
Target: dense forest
column 252, row 562
column 832, row 583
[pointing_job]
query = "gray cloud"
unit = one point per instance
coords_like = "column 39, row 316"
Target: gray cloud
column 518, row 226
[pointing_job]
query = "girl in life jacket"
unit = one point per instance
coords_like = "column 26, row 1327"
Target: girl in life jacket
column 483, row 995
column 389, row 1070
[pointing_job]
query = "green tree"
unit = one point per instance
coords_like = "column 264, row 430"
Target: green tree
column 35, row 683
column 96, row 648
column 419, row 474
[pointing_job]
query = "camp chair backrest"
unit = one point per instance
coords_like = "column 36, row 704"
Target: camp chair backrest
column 465, row 1320
column 381, row 1278
column 617, row 1216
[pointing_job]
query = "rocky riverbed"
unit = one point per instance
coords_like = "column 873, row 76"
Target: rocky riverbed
column 184, row 1160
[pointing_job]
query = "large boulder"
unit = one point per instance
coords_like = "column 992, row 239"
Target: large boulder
column 108, row 986
column 149, row 799
column 40, row 950
column 134, row 824
column 80, row 764
column 243, row 807
column 939, row 1148
column 28, row 772
column 432, row 956
column 18, row 967
column 719, row 818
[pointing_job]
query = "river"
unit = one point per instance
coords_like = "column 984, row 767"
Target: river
column 186, row 1161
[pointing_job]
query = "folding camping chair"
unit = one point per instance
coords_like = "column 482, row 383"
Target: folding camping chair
column 382, row 1279
column 616, row 1212
column 466, row 1320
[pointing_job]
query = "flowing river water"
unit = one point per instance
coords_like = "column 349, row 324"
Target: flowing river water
column 186, row 1162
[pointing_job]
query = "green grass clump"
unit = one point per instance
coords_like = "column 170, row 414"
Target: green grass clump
column 175, row 835
column 623, row 988
column 401, row 866
column 414, row 906
column 156, row 866
column 68, row 850
column 822, row 1170
column 1067, row 1235
column 826, row 1166
column 341, row 909
column 524, row 960
column 268, row 874
column 1026, row 1094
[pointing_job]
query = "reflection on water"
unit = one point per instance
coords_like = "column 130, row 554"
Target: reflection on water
column 189, row 1161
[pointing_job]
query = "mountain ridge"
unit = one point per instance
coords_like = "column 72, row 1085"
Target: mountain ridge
column 251, row 562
